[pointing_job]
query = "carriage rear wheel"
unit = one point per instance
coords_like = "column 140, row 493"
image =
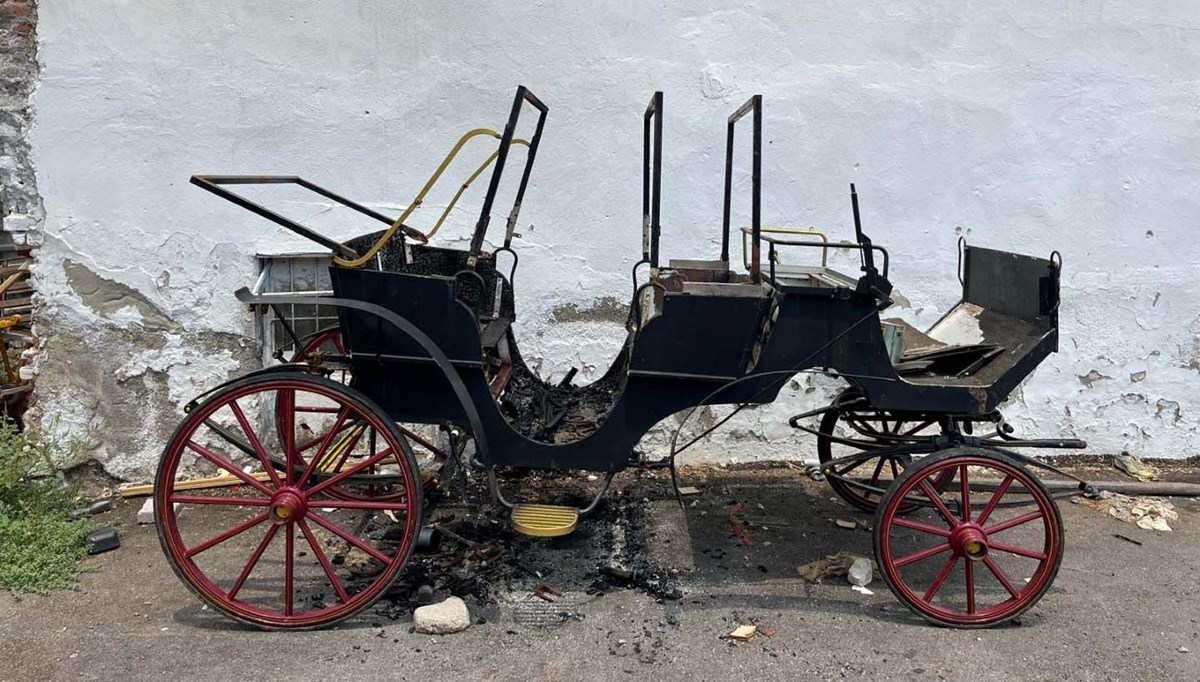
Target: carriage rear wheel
column 281, row 550
column 979, row 557
column 869, row 430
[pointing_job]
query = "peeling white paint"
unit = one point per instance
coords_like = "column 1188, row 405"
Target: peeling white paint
column 189, row 371
column 960, row 327
column 1024, row 126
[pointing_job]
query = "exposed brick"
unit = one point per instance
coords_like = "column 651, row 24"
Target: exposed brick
column 10, row 9
column 20, row 204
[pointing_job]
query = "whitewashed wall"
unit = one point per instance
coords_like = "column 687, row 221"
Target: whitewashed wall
column 1027, row 126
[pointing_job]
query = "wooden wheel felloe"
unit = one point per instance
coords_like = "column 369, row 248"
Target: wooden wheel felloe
column 869, row 430
column 978, row 558
column 282, row 550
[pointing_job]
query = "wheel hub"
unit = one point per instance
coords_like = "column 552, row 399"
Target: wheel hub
column 970, row 541
column 287, row 506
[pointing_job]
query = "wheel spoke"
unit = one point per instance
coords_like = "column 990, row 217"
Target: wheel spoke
column 254, row 441
column 987, row 561
column 258, row 552
column 919, row 427
column 287, row 419
column 341, row 476
column 347, row 445
column 361, row 504
column 320, row 453
column 970, row 568
column 321, row 557
column 223, row 536
column 923, row 527
column 228, row 501
column 1014, row 521
column 348, row 537
column 878, row 470
column 289, row 568
column 923, row 554
column 936, row 499
column 437, row 452
column 316, row 440
column 864, row 428
column 991, row 505
column 228, row 466
column 895, row 469
column 854, row 466
column 1019, row 551
column 965, row 491
column 941, row 578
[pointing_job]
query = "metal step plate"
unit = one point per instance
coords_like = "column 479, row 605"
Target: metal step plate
column 544, row 520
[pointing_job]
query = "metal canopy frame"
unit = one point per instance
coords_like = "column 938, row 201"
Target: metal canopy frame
column 522, row 97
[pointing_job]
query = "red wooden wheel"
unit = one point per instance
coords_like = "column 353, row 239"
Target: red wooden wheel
column 869, row 430
column 981, row 558
column 281, row 550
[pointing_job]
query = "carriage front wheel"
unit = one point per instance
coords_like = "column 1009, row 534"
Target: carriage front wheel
column 982, row 551
column 282, row 550
column 846, row 436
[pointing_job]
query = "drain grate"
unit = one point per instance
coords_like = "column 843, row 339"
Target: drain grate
column 541, row 614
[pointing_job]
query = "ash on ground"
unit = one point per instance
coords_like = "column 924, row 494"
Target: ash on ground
column 483, row 561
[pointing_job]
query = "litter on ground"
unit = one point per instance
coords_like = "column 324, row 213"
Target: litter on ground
column 743, row 633
column 1147, row 513
column 832, row 566
column 1135, row 467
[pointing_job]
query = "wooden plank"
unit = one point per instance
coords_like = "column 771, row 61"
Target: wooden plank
column 193, row 484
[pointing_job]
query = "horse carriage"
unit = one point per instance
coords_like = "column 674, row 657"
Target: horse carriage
column 337, row 448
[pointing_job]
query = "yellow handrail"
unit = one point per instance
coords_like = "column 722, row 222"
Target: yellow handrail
column 420, row 198
column 478, row 171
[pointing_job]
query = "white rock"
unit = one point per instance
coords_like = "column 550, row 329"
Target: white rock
column 442, row 618
column 146, row 513
column 860, row 572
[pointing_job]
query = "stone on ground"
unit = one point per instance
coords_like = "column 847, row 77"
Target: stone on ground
column 146, row 513
column 443, row 618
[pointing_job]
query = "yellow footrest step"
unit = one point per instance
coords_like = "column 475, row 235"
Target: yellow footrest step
column 544, row 520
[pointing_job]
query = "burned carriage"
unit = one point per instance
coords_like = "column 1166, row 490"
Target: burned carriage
column 340, row 444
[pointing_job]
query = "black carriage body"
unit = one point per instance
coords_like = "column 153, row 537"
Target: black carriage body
column 699, row 333
column 706, row 343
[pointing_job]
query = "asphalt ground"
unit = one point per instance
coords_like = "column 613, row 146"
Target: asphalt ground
column 1117, row 611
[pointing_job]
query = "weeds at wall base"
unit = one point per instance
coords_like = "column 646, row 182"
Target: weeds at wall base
column 40, row 546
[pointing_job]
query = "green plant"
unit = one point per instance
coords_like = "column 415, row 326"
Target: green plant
column 40, row 546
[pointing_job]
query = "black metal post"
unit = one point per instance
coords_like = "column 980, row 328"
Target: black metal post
column 651, row 179
column 485, row 214
column 753, row 104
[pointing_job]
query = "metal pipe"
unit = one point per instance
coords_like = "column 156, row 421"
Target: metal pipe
column 1172, row 488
